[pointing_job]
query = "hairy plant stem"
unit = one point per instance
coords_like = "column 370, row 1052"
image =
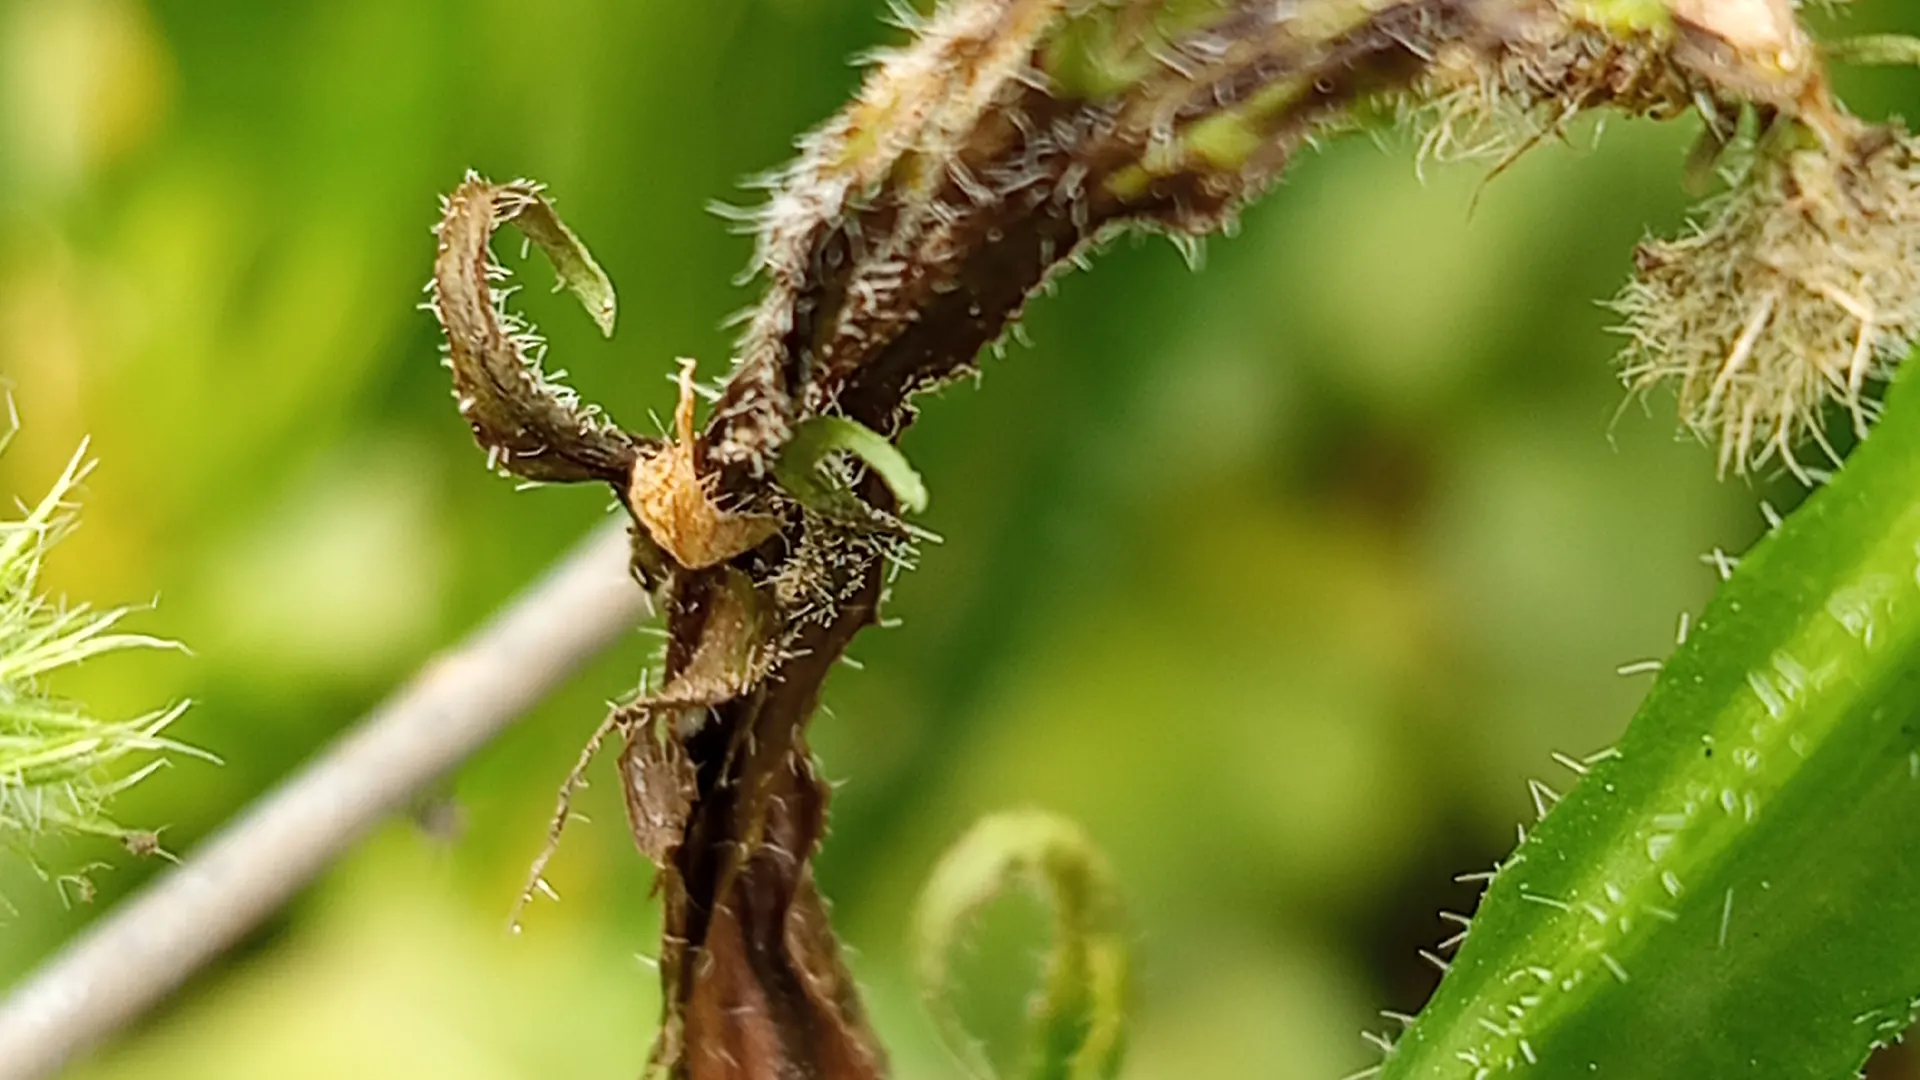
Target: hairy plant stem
column 996, row 150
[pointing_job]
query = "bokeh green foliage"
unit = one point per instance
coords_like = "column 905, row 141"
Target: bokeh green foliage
column 1280, row 578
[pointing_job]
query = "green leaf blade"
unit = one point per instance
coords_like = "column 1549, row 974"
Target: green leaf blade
column 1735, row 889
column 573, row 264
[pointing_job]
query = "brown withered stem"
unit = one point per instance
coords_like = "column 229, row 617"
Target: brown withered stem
column 1008, row 140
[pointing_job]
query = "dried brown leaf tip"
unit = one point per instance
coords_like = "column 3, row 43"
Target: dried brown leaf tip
column 675, row 503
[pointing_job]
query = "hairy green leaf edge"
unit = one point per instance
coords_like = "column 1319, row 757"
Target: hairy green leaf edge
column 1734, row 890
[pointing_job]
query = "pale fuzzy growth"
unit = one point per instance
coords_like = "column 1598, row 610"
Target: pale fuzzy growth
column 59, row 766
column 1474, row 106
column 1474, row 117
column 1464, row 109
column 1797, row 288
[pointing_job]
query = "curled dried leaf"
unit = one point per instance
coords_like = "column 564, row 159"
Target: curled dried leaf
column 530, row 425
column 1007, row 141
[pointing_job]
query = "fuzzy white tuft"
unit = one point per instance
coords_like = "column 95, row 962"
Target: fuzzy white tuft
column 59, row 766
column 1796, row 289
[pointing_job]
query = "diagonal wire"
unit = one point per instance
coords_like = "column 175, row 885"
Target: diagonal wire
column 133, row 957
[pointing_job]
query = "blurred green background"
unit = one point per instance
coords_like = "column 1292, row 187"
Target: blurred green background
column 1283, row 577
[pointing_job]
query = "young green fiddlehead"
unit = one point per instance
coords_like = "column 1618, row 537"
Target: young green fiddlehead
column 1078, row 1014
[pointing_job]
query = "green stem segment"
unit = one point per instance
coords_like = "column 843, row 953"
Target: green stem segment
column 1734, row 889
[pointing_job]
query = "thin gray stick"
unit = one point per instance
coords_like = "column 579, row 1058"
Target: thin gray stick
column 140, row 952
